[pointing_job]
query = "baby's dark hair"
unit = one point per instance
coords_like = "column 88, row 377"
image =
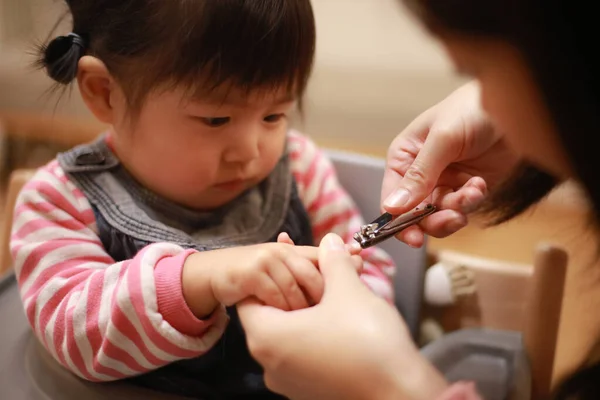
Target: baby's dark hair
column 200, row 44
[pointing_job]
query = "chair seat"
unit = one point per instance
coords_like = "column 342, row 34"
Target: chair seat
column 28, row 372
column 494, row 360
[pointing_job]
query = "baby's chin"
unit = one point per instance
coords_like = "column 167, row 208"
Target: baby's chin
column 214, row 199
column 215, row 196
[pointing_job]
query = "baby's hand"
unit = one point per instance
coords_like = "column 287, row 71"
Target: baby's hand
column 278, row 274
column 353, row 248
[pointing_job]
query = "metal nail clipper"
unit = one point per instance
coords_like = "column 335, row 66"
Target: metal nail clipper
column 387, row 225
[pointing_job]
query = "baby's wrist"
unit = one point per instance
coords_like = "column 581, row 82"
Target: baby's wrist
column 171, row 302
column 197, row 287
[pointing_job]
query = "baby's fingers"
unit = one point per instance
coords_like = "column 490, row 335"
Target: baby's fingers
column 284, row 278
column 285, row 238
column 267, row 291
column 353, row 248
column 310, row 253
column 307, row 276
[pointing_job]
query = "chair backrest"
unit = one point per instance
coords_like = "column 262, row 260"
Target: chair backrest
column 361, row 176
column 516, row 297
column 18, row 179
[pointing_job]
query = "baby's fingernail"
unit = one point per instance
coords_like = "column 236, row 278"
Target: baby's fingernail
column 397, row 199
column 354, row 248
column 334, row 242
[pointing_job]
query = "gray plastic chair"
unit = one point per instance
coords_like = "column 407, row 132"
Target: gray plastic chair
column 495, row 360
column 361, row 176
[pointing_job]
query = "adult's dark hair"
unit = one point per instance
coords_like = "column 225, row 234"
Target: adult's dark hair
column 558, row 40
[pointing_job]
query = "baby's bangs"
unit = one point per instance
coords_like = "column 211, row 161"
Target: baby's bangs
column 249, row 44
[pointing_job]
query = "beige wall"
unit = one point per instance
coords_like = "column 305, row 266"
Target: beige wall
column 375, row 70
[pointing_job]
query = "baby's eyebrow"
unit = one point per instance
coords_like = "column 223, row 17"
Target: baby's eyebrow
column 245, row 101
column 288, row 98
column 223, row 99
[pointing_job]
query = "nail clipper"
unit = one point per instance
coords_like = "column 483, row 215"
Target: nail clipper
column 388, row 225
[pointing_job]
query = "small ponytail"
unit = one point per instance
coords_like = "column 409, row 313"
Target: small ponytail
column 61, row 56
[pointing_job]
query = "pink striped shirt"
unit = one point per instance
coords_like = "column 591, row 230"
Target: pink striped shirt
column 104, row 320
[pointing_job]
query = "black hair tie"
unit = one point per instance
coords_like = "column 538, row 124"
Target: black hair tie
column 62, row 56
column 77, row 40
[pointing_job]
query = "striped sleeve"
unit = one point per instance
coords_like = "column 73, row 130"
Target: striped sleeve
column 100, row 319
column 331, row 209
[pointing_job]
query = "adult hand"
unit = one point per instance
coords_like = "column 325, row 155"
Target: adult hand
column 450, row 155
column 352, row 345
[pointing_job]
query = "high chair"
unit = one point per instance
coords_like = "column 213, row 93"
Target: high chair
column 27, row 371
column 495, row 359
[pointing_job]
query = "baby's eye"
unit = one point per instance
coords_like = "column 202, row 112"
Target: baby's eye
column 215, row 122
column 274, row 118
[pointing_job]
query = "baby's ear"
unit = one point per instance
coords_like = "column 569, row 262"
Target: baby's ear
column 285, row 238
column 97, row 88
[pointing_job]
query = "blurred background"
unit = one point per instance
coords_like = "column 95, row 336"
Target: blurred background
column 375, row 71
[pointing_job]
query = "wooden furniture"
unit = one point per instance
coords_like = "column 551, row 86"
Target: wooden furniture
column 59, row 130
column 17, row 180
column 30, row 140
column 515, row 297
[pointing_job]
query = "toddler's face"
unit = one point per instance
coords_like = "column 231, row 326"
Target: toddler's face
column 206, row 151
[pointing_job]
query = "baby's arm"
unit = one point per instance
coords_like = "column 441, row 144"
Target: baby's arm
column 331, row 209
column 100, row 319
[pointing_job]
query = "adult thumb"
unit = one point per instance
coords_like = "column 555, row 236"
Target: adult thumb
column 257, row 318
column 335, row 261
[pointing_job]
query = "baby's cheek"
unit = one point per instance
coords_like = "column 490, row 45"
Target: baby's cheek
column 269, row 160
